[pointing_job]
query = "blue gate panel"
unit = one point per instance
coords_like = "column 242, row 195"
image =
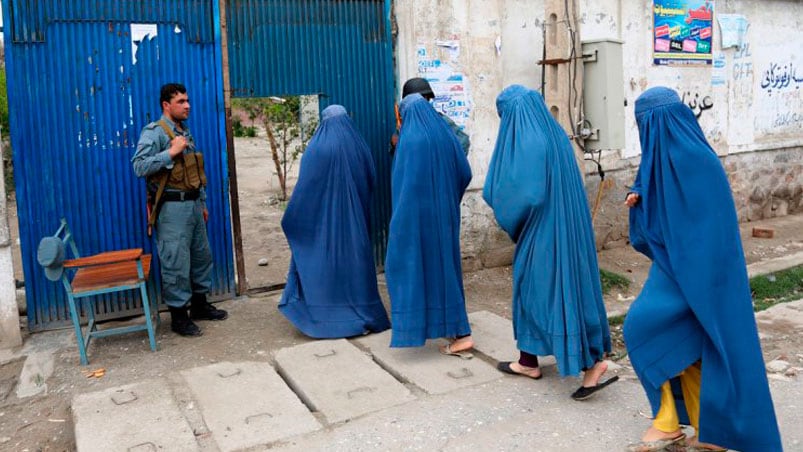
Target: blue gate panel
column 340, row 50
column 80, row 90
column 29, row 19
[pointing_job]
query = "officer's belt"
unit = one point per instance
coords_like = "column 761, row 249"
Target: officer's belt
column 181, row 195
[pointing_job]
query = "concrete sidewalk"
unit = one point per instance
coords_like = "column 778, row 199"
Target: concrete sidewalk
column 361, row 395
column 275, row 388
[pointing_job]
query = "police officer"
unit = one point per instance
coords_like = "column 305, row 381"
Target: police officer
column 167, row 157
column 421, row 86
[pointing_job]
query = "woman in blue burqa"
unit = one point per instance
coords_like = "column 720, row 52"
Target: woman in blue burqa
column 331, row 287
column 691, row 334
column 423, row 265
column 537, row 195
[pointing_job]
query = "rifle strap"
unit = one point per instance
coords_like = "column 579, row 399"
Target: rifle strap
column 162, row 179
column 167, row 129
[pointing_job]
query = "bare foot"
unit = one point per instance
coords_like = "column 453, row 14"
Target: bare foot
column 693, row 442
column 653, row 434
column 461, row 345
column 532, row 372
column 591, row 376
column 655, row 440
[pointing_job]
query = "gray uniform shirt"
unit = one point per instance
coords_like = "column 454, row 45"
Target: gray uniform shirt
column 462, row 137
column 153, row 154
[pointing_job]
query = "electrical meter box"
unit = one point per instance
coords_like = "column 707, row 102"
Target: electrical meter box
column 603, row 94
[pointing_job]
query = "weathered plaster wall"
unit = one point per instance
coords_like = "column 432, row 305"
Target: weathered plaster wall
column 9, row 315
column 500, row 44
column 757, row 129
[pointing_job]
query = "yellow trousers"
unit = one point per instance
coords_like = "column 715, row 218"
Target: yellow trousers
column 667, row 418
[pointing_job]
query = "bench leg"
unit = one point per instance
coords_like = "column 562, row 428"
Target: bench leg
column 90, row 314
column 79, row 337
column 146, row 307
column 155, row 300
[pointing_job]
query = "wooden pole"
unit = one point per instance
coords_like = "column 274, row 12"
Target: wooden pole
column 239, row 258
column 563, row 66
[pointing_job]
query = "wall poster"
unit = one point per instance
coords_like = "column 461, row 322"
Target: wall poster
column 682, row 31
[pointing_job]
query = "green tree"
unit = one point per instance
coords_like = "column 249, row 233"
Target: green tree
column 3, row 102
column 6, row 133
column 287, row 135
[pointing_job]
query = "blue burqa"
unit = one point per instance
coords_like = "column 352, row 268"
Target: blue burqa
column 537, row 195
column 695, row 304
column 331, row 287
column 423, row 266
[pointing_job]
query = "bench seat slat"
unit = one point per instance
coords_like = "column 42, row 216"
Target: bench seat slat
column 110, row 275
column 109, row 257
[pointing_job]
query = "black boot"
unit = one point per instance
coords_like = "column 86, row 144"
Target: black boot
column 180, row 322
column 200, row 309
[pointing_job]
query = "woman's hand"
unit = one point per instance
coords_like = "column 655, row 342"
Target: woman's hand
column 632, row 199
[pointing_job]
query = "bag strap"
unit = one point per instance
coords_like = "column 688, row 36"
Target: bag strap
column 162, row 179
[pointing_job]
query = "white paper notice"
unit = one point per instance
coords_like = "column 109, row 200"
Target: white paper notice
column 733, row 28
column 139, row 32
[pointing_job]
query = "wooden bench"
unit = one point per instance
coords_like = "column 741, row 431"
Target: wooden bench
column 109, row 272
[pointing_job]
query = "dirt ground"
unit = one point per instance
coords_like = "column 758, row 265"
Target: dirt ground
column 261, row 212
column 255, row 328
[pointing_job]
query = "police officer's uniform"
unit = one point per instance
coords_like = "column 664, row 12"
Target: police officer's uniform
column 181, row 240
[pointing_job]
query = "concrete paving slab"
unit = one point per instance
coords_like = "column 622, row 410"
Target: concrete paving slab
column 37, row 369
column 493, row 337
column 492, row 416
column 137, row 417
column 557, row 424
column 426, row 367
column 247, row 404
column 50, row 341
column 7, row 355
column 520, row 414
column 339, row 380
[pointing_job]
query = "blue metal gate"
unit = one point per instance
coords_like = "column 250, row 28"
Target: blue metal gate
column 338, row 49
column 83, row 79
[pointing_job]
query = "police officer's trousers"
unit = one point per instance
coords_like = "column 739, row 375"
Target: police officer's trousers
column 184, row 254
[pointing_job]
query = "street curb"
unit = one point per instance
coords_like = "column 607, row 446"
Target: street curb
column 755, row 269
column 775, row 265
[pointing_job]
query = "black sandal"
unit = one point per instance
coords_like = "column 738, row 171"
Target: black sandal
column 584, row 393
column 504, row 366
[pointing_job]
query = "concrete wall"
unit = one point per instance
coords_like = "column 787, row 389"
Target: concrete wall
column 500, row 43
column 758, row 131
column 9, row 316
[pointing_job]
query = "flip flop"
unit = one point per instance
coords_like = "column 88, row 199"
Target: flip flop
column 447, row 350
column 584, row 393
column 655, row 446
column 504, row 366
